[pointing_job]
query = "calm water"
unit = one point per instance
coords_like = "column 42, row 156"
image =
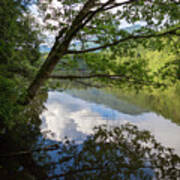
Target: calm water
column 71, row 116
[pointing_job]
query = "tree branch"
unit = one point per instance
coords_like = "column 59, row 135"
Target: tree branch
column 112, row 77
column 131, row 1
column 119, row 4
column 85, row 76
column 93, row 13
column 57, row 52
column 170, row 32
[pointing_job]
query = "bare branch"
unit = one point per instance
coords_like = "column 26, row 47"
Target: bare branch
column 171, row 32
column 85, row 76
column 117, row 77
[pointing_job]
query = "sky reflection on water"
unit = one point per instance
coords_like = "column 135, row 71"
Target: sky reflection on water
column 75, row 118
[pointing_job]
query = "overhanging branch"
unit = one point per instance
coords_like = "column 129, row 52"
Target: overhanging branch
column 86, row 76
column 117, row 77
column 170, row 32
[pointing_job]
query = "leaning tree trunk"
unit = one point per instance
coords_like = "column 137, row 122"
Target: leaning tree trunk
column 59, row 49
column 44, row 72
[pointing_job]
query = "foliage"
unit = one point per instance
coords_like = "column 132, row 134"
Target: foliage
column 118, row 153
column 7, row 100
column 19, row 49
column 19, row 53
column 19, row 56
column 79, row 24
column 146, row 68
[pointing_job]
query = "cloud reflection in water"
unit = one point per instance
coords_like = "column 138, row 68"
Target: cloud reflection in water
column 75, row 118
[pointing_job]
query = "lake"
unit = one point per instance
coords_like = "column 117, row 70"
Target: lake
column 74, row 114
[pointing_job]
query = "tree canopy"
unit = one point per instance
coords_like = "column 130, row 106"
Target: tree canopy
column 101, row 23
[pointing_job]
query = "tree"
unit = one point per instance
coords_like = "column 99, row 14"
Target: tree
column 19, row 56
column 19, row 43
column 99, row 22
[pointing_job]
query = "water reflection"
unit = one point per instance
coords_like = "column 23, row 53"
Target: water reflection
column 75, row 118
